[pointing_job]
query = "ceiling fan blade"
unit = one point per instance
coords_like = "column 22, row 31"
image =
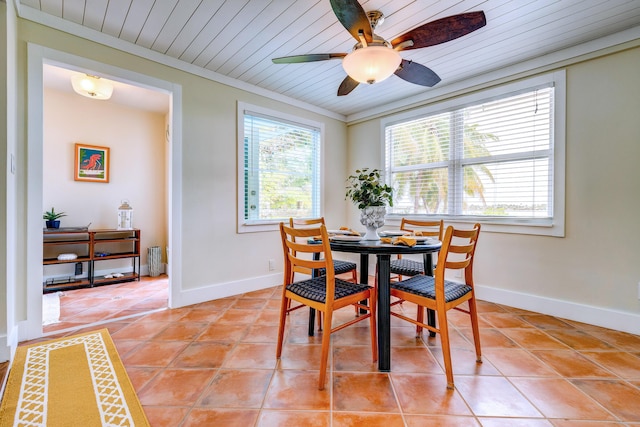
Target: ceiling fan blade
column 353, row 17
column 347, row 85
column 311, row 57
column 417, row 73
column 442, row 30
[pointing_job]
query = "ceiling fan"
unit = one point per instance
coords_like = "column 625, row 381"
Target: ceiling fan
column 373, row 59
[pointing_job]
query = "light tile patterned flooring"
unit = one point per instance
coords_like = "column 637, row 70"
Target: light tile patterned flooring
column 214, row 364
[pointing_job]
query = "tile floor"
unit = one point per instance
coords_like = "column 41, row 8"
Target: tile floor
column 100, row 304
column 214, row 364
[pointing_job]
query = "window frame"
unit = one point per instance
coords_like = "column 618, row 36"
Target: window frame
column 252, row 226
column 554, row 226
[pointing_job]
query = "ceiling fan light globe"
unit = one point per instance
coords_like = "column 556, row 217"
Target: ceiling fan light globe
column 371, row 64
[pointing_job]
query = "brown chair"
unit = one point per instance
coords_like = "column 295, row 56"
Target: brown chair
column 324, row 293
column 436, row 293
column 339, row 266
column 408, row 267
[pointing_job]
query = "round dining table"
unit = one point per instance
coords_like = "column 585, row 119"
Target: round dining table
column 383, row 252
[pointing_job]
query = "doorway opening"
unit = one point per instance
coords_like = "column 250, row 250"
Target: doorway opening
column 76, row 120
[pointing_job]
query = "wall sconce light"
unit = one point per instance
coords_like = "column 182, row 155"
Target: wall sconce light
column 91, row 86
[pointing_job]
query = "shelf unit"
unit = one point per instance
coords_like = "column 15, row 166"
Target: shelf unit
column 91, row 246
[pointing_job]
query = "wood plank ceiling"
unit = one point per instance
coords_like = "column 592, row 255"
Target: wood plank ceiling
column 238, row 38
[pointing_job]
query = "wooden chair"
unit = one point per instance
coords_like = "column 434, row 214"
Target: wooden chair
column 408, row 267
column 324, row 293
column 339, row 266
column 436, row 293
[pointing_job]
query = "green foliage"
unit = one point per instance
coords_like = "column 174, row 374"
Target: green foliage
column 495, row 211
column 52, row 215
column 285, row 161
column 427, row 142
column 365, row 189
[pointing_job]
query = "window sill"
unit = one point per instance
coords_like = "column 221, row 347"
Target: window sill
column 537, row 227
column 258, row 227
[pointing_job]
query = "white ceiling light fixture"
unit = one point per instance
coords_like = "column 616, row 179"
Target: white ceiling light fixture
column 92, row 86
column 375, row 61
column 371, row 64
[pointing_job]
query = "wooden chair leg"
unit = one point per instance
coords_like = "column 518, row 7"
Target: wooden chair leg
column 473, row 312
column 446, row 347
column 354, row 279
column 284, row 305
column 326, row 340
column 419, row 318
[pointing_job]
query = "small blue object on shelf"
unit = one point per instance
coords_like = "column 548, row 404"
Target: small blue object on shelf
column 101, row 254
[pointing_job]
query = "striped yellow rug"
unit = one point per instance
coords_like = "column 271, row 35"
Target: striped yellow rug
column 73, row 381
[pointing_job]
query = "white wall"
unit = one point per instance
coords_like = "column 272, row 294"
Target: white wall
column 592, row 274
column 215, row 260
column 137, row 172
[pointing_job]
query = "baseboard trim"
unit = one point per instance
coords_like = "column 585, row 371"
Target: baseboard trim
column 5, row 348
column 227, row 289
column 598, row 316
column 8, row 344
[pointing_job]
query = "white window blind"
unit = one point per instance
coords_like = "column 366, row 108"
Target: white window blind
column 487, row 159
column 281, row 169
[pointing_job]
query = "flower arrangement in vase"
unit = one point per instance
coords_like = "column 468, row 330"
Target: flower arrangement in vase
column 366, row 190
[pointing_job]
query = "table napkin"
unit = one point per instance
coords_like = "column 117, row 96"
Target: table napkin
column 400, row 240
column 351, row 232
column 405, row 240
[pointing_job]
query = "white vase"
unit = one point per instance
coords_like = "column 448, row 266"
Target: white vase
column 372, row 218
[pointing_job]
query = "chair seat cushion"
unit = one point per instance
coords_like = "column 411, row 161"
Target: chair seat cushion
column 316, row 288
column 339, row 267
column 424, row 286
column 406, row 267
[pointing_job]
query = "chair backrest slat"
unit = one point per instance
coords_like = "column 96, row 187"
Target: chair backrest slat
column 306, row 263
column 433, row 228
column 305, row 222
column 462, row 244
column 303, row 247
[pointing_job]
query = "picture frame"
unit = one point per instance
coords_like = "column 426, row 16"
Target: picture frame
column 91, row 163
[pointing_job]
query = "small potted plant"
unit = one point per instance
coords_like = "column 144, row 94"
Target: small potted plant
column 52, row 218
column 371, row 196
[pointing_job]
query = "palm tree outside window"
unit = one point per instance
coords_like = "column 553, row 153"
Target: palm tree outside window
column 488, row 159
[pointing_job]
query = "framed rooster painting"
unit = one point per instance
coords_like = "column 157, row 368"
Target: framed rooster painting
column 92, row 163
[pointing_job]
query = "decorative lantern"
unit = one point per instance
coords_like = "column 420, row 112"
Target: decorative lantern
column 125, row 216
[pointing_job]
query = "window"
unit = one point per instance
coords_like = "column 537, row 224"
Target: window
column 489, row 157
column 279, row 170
